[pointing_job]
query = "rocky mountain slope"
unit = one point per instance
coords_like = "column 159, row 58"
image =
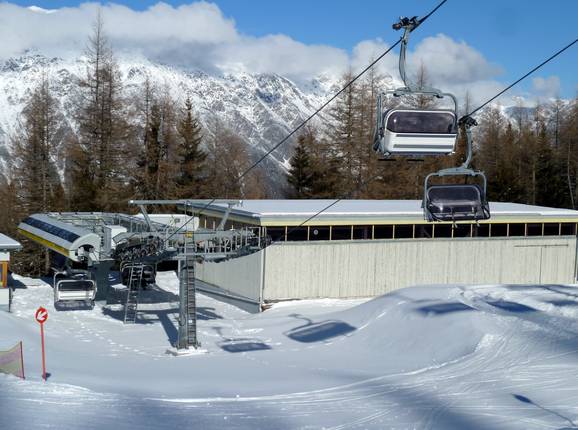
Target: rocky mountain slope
column 261, row 108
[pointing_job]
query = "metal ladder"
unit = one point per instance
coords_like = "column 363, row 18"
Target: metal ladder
column 188, row 310
column 132, row 294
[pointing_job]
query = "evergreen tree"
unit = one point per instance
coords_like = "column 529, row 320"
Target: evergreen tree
column 301, row 176
column 550, row 189
column 192, row 158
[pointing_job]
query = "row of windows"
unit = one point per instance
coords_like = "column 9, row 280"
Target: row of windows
column 417, row 231
column 51, row 229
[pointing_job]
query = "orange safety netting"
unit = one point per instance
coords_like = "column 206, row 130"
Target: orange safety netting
column 11, row 361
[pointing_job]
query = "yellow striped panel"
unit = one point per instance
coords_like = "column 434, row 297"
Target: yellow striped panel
column 45, row 243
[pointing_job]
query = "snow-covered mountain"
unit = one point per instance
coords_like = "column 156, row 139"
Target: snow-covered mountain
column 261, row 108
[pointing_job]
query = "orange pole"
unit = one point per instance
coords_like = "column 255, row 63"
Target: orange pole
column 4, row 283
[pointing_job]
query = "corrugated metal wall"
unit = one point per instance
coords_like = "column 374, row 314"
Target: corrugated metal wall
column 370, row 268
column 241, row 276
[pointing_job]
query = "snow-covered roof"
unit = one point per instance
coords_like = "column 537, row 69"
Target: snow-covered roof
column 8, row 244
column 292, row 212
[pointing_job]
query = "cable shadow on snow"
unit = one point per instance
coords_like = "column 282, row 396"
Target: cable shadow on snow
column 318, row 331
column 529, row 401
column 235, row 345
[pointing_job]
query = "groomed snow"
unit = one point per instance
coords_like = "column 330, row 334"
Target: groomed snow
column 430, row 357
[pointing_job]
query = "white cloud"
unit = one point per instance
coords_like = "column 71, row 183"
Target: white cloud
column 196, row 35
column 547, row 87
column 199, row 36
column 451, row 62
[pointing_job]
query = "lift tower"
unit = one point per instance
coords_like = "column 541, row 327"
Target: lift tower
column 190, row 245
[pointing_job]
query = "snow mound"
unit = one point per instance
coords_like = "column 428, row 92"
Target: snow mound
column 428, row 357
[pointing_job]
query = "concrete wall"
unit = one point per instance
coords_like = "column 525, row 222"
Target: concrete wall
column 4, row 299
column 371, row 268
column 241, row 276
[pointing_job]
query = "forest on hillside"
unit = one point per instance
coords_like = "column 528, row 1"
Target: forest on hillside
column 151, row 147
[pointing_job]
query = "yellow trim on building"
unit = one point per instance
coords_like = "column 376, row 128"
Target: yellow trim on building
column 45, row 242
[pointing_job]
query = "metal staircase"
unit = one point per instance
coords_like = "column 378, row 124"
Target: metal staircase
column 132, row 294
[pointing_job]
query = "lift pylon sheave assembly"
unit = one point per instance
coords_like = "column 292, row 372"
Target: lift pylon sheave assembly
column 457, row 202
column 414, row 132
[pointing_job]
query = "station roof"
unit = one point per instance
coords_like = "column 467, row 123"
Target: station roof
column 344, row 212
column 8, row 244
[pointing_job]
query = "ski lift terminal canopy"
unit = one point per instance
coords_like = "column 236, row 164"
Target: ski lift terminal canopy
column 75, row 243
column 8, row 244
column 367, row 212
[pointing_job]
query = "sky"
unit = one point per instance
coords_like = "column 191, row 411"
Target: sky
column 474, row 46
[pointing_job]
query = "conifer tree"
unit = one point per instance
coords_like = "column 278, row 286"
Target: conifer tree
column 192, row 157
column 98, row 157
column 36, row 183
column 301, row 176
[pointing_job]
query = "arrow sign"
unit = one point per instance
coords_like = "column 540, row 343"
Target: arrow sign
column 41, row 315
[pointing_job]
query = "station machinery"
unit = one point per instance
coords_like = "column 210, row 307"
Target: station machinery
column 87, row 246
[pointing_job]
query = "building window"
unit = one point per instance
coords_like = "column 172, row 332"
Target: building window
column 276, row 233
column 404, row 231
column 482, row 230
column 296, row 234
column 499, row 230
column 443, row 230
column 462, row 230
column 568, row 229
column 552, row 229
column 423, row 231
column 383, row 232
column 318, row 233
column 341, row 232
column 517, row 229
column 362, row 232
column 534, row 229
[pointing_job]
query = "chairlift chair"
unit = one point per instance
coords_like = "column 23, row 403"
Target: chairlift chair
column 76, row 289
column 414, row 132
column 423, row 132
column 457, row 202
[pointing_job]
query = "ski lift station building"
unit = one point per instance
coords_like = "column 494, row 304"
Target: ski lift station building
column 364, row 248
column 7, row 245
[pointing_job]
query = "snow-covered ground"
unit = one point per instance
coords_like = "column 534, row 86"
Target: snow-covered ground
column 431, row 357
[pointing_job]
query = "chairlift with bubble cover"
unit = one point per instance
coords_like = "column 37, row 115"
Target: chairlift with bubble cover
column 457, row 202
column 414, row 132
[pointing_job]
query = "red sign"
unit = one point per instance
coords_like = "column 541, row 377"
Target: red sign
column 41, row 315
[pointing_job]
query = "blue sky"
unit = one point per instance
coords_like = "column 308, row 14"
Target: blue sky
column 513, row 35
